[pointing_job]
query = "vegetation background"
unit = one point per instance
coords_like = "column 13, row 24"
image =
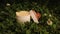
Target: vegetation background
column 9, row 25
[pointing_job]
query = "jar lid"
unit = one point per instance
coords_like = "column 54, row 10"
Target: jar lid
column 33, row 15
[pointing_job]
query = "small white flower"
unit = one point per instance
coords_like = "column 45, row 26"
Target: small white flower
column 45, row 14
column 49, row 22
column 50, row 15
column 7, row 4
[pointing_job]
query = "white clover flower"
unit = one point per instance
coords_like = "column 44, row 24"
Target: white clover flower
column 49, row 22
column 45, row 14
column 50, row 15
column 8, row 4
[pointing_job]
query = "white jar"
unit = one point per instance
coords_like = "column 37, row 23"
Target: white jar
column 23, row 17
